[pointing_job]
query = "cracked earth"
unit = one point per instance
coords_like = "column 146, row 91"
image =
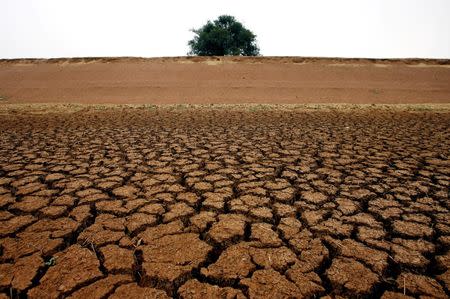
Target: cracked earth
column 150, row 203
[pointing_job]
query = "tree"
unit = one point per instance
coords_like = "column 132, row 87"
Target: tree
column 224, row 36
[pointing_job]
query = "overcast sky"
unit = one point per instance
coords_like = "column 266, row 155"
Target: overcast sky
column 345, row 28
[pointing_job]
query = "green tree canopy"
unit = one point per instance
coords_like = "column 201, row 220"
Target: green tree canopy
column 224, row 36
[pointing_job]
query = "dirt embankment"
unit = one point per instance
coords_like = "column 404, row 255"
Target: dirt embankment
column 224, row 80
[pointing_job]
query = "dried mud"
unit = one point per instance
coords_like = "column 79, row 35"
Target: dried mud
column 198, row 203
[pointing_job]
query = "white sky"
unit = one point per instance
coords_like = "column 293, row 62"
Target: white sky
column 345, row 28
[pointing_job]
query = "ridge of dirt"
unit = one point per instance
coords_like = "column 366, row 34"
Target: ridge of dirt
column 237, row 59
column 225, row 80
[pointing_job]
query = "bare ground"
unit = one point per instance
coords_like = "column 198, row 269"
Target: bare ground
column 224, row 203
column 224, row 80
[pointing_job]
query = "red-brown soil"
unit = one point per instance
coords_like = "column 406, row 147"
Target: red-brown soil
column 216, row 203
column 225, row 80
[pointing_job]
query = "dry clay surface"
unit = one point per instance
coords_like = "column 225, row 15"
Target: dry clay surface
column 224, row 80
column 224, row 204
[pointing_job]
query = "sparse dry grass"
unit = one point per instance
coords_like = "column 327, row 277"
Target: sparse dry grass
column 40, row 108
